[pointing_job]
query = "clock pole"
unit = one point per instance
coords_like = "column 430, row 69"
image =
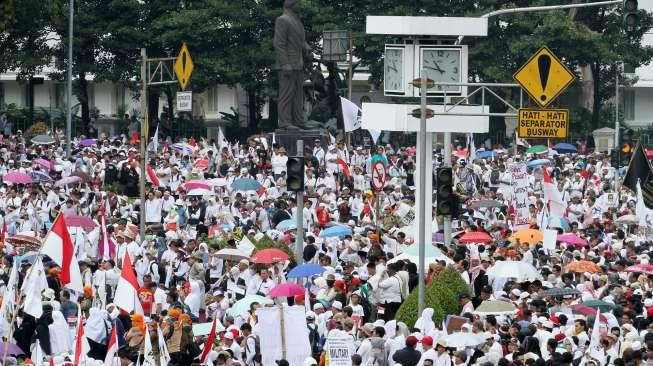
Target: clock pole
column 421, row 225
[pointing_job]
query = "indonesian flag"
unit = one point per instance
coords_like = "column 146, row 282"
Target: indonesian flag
column 151, row 176
column 4, row 232
column 208, row 344
column 344, row 166
column 261, row 192
column 59, row 246
column 108, row 249
column 112, row 347
column 127, row 290
column 81, row 344
column 557, row 206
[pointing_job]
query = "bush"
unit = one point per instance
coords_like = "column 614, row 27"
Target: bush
column 441, row 295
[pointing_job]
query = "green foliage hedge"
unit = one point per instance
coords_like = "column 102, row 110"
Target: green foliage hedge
column 441, row 295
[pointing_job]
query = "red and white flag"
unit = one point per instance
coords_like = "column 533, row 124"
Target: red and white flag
column 127, row 290
column 58, row 245
column 344, row 166
column 112, row 347
column 552, row 196
column 208, row 344
column 151, row 176
column 81, row 344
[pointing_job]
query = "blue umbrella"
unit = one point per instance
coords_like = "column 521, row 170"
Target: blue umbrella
column 486, row 154
column 376, row 158
column 245, row 184
column 536, row 162
column 564, row 147
column 183, row 148
column 335, row 231
column 286, row 225
column 306, row 270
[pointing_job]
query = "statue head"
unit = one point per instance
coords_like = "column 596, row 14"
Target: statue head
column 292, row 5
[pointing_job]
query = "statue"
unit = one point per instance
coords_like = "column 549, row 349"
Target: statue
column 291, row 49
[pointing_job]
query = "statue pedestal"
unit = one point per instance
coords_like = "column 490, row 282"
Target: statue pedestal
column 288, row 138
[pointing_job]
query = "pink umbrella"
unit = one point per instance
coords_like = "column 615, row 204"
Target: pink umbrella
column 572, row 239
column 47, row 164
column 286, row 290
column 80, row 221
column 197, row 184
column 68, row 180
column 640, row 268
column 17, row 177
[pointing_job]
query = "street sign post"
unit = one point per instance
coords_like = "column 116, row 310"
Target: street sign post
column 185, row 101
column 378, row 176
column 544, row 77
column 543, row 123
column 184, row 67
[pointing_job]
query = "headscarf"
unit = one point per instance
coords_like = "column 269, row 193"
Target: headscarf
column 96, row 326
column 60, row 341
column 194, row 299
column 425, row 322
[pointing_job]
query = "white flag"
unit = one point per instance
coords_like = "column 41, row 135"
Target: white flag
column 350, row 115
column 148, row 355
column 375, row 135
column 155, row 139
column 9, row 301
column 222, row 141
column 245, row 245
column 164, row 356
column 644, row 214
column 33, row 285
column 595, row 348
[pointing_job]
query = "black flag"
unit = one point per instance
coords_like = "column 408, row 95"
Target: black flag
column 640, row 169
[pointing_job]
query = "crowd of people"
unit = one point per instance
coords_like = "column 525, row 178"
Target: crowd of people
column 210, row 205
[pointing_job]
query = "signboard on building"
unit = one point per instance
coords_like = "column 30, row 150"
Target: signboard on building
column 185, row 101
column 543, row 123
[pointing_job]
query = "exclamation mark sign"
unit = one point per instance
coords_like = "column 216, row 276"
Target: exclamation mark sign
column 183, row 66
column 544, row 65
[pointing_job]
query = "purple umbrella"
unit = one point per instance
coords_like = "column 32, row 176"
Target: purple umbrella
column 68, row 180
column 40, row 176
column 87, row 142
column 11, row 349
column 17, row 177
column 47, row 164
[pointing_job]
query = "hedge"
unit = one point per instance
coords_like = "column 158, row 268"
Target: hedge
column 441, row 295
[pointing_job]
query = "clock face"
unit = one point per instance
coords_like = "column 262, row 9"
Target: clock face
column 442, row 65
column 393, row 65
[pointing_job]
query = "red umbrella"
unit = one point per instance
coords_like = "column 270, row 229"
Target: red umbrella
column 641, row 268
column 475, row 237
column 270, row 255
column 195, row 184
column 80, row 221
column 587, row 311
column 201, row 164
column 286, row 290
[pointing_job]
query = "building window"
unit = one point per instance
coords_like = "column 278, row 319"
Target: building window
column 212, row 99
column 629, row 105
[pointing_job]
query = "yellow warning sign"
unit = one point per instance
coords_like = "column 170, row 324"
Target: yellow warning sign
column 543, row 123
column 544, row 77
column 183, row 67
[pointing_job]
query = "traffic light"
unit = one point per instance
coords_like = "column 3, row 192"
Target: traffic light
column 631, row 16
column 295, row 173
column 626, row 144
column 614, row 159
column 446, row 199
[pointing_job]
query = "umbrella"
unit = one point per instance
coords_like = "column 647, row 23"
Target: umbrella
column 572, row 239
column 431, row 255
column 217, row 182
column 475, row 237
column 200, row 192
column 286, row 225
column 231, row 254
column 641, row 268
column 45, row 163
column 185, row 149
column 558, row 222
column 485, row 203
column 305, row 270
column 67, row 180
column 335, row 231
column 39, row 176
column 557, row 291
column 245, row 184
column 586, row 310
column 598, row 303
column 10, row 349
column 80, row 221
column 241, row 307
column 201, row 164
column 286, row 290
column 193, row 184
column 269, row 255
column 537, row 149
column 203, row 329
column 538, row 162
column 87, row 142
column 42, row 140
column 628, row 219
column 495, row 307
column 530, row 236
column 462, row 340
column 486, row 154
column 17, row 177
column 522, row 271
column 28, row 241
column 563, row 147
column 83, row 176
column 583, row 266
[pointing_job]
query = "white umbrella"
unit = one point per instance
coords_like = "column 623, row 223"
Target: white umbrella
column 522, row 271
column 462, row 340
column 200, row 192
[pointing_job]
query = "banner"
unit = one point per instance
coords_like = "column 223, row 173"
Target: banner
column 519, row 185
column 339, row 348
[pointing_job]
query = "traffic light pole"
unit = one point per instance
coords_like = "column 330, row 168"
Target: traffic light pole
column 421, row 215
column 447, row 163
column 299, row 238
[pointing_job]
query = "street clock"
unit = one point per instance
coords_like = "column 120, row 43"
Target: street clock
column 394, row 70
column 442, row 65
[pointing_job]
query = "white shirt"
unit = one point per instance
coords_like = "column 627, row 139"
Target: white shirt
column 153, row 209
column 390, row 289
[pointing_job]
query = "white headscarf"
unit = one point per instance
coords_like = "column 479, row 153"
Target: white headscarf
column 425, row 323
column 194, row 299
column 96, row 327
column 60, row 340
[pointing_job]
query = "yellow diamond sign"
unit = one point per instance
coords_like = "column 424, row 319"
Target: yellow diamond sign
column 544, row 77
column 183, row 67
